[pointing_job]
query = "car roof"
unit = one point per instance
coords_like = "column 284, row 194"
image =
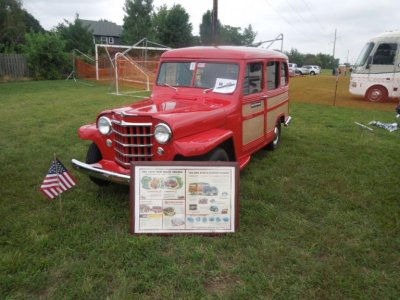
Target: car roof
column 223, row 52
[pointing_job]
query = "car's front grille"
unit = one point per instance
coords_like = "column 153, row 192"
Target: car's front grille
column 133, row 142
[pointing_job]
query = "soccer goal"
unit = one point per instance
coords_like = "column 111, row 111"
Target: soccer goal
column 128, row 69
column 83, row 66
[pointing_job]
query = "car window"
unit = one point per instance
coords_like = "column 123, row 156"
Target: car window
column 284, row 74
column 385, row 54
column 208, row 74
column 175, row 74
column 272, row 75
column 253, row 81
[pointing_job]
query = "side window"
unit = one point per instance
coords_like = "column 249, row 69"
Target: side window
column 385, row 54
column 272, row 75
column 253, row 82
column 284, row 74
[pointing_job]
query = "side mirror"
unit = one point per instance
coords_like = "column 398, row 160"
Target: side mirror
column 369, row 61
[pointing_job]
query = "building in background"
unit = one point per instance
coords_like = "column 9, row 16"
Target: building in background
column 104, row 32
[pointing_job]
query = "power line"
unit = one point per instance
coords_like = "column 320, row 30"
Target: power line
column 316, row 18
column 290, row 23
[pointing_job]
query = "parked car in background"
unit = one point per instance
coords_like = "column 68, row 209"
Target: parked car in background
column 310, row 70
column 292, row 69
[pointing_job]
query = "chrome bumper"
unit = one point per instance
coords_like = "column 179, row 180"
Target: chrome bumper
column 100, row 173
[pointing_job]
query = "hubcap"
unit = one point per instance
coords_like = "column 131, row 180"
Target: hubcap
column 375, row 95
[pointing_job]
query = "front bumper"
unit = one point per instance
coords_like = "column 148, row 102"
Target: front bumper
column 100, row 173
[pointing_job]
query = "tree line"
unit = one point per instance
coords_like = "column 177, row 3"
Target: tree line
column 49, row 52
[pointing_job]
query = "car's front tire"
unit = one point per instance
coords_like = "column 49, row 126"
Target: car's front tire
column 94, row 156
column 218, row 154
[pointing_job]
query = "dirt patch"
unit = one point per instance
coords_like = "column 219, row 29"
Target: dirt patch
column 321, row 90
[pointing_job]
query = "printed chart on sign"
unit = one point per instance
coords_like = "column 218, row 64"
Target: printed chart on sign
column 184, row 199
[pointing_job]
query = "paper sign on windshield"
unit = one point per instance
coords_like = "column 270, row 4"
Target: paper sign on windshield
column 224, row 86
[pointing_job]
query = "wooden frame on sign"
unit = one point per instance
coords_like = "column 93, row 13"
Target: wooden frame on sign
column 184, row 197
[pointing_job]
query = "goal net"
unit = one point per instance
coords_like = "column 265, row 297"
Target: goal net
column 128, row 69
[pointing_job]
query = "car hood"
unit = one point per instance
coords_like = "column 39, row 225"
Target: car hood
column 183, row 116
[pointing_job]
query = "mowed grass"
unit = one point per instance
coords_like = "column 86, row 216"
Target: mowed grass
column 319, row 217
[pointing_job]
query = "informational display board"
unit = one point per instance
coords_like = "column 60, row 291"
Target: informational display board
column 184, row 197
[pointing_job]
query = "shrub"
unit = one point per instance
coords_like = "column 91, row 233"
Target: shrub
column 46, row 55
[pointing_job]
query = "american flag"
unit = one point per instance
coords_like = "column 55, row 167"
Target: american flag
column 57, row 180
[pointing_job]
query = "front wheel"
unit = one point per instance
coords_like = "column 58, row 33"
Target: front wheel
column 94, row 156
column 376, row 94
column 277, row 137
column 218, row 154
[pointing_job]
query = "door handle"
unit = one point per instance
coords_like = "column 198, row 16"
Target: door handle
column 255, row 104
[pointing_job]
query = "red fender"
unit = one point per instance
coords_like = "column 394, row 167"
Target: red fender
column 202, row 143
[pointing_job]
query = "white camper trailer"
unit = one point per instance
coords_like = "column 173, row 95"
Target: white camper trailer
column 376, row 74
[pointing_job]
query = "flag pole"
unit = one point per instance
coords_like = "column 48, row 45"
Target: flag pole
column 58, row 181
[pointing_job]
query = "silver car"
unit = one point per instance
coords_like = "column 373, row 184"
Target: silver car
column 310, row 70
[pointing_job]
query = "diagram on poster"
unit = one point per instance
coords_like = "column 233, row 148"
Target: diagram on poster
column 184, row 199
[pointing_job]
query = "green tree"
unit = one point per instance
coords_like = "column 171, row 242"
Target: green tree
column 46, row 55
column 295, row 57
column 249, row 35
column 206, row 29
column 228, row 35
column 14, row 23
column 137, row 21
column 172, row 26
column 76, row 35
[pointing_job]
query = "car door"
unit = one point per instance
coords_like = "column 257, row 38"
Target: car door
column 277, row 95
column 253, row 106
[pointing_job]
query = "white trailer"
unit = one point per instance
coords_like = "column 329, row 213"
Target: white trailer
column 376, row 74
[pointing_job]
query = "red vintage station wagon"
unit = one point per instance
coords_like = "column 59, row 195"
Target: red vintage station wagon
column 207, row 104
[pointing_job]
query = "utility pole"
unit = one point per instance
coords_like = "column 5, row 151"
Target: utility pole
column 334, row 71
column 214, row 24
column 334, row 47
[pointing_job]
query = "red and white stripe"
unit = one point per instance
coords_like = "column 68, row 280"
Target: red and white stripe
column 54, row 184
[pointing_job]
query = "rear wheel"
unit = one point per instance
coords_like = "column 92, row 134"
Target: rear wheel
column 312, row 73
column 277, row 137
column 94, row 156
column 376, row 93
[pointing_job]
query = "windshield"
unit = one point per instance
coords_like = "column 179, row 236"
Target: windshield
column 365, row 52
column 204, row 75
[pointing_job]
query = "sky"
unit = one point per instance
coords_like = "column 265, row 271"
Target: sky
column 307, row 25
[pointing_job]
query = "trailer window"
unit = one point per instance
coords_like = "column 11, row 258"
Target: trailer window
column 385, row 54
column 272, row 75
column 253, row 82
column 365, row 52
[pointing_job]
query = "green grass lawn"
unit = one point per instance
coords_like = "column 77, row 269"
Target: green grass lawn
column 319, row 217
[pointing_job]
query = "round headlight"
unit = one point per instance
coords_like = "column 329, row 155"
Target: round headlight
column 104, row 125
column 162, row 133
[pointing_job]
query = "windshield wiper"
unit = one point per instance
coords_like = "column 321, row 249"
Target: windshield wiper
column 207, row 90
column 172, row 87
